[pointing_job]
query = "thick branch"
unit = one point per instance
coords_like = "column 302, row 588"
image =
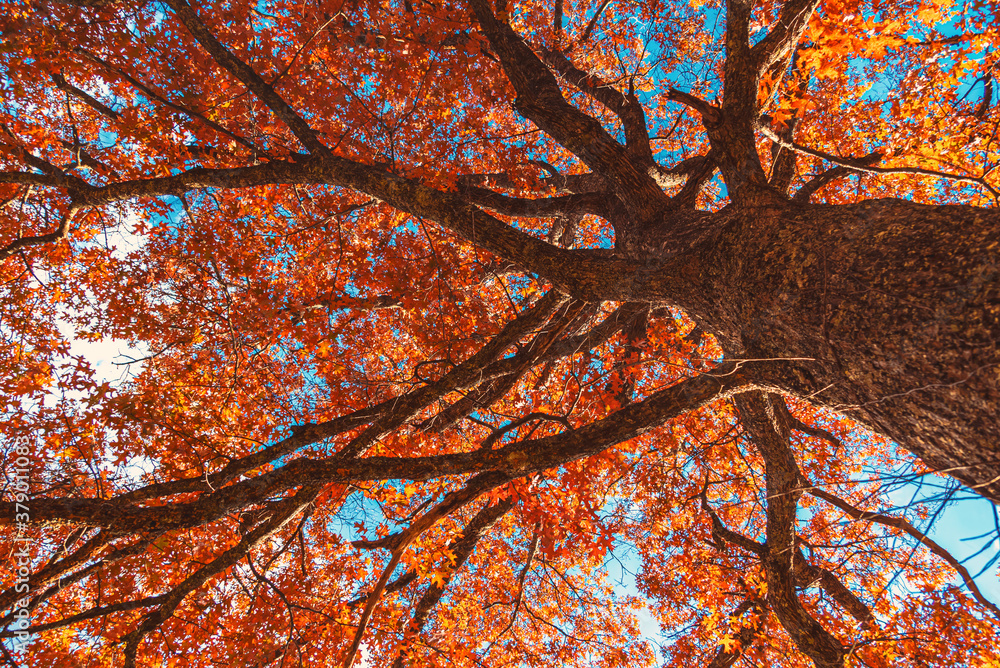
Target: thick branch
column 784, row 36
column 593, row 21
column 815, row 432
column 783, row 160
column 35, row 179
column 711, row 115
column 253, row 81
column 699, row 171
column 581, row 184
column 807, row 574
column 581, row 272
column 764, row 417
column 731, row 128
column 730, row 132
column 85, row 97
column 540, row 100
column 733, row 138
column 723, row 534
column 60, row 232
column 572, row 345
column 543, row 207
column 626, row 106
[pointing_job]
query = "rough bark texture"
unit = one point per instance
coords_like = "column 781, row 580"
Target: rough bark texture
column 897, row 303
column 765, row 419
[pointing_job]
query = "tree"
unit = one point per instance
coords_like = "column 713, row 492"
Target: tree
column 444, row 307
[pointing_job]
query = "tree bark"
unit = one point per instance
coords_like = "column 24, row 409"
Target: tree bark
column 896, row 306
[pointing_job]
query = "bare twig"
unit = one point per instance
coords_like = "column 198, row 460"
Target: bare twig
column 858, row 165
column 901, row 524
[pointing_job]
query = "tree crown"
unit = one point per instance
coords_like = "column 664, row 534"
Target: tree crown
column 431, row 324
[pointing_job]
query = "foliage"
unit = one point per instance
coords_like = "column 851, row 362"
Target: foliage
column 391, row 396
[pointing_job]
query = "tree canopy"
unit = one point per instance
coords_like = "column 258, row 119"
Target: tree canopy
column 475, row 332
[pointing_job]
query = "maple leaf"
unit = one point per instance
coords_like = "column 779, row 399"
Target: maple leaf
column 729, row 644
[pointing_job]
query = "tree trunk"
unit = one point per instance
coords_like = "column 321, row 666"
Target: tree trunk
column 897, row 305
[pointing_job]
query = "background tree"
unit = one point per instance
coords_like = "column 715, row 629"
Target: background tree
column 444, row 307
